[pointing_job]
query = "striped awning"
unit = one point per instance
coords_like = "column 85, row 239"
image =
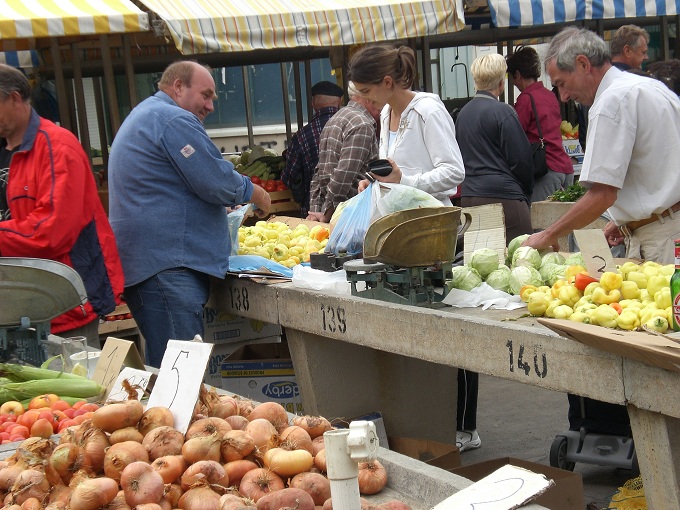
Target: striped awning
column 518, row 13
column 22, row 59
column 207, row 26
column 51, row 18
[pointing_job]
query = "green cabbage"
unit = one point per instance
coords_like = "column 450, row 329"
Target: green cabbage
column 526, row 256
column 484, row 260
column 551, row 272
column 499, row 279
column 552, row 257
column 575, row 259
column 514, row 244
column 523, row 275
column 464, row 278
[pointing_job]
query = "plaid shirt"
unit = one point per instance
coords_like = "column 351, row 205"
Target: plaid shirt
column 302, row 157
column 348, row 143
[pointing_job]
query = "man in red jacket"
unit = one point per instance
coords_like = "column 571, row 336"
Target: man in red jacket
column 50, row 208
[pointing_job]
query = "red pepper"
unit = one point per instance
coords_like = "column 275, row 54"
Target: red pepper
column 581, row 281
column 617, row 307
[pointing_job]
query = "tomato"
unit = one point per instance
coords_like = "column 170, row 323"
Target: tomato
column 270, row 186
column 89, row 406
column 20, row 431
column 256, row 180
column 43, row 401
column 60, row 405
column 41, row 428
column 47, row 415
column 281, row 187
column 28, row 418
column 128, row 315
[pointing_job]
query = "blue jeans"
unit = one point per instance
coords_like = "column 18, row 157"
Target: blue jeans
column 169, row 305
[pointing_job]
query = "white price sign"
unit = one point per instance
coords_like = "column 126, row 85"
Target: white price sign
column 180, row 379
column 595, row 251
column 129, row 380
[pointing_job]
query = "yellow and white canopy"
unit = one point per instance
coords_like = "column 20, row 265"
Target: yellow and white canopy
column 207, row 26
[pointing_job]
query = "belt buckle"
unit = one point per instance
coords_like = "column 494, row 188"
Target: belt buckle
column 627, row 232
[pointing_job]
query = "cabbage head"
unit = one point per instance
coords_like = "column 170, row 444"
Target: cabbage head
column 552, row 257
column 523, row 275
column 514, row 244
column 500, row 278
column 551, row 272
column 575, row 259
column 526, row 256
column 484, row 260
column 464, row 278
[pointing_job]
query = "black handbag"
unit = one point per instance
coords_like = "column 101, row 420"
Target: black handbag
column 538, row 148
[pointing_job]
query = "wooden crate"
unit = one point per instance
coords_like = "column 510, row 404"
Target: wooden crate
column 283, row 201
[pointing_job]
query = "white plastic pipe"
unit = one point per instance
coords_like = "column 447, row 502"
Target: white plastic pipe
column 343, row 472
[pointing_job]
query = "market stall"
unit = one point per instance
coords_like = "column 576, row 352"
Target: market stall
column 343, row 344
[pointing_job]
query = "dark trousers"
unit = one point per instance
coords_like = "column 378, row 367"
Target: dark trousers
column 468, row 389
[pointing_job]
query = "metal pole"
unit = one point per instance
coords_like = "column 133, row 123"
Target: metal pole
column 286, row 102
column 249, row 108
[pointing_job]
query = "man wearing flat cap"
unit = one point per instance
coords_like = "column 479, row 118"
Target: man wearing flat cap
column 302, row 154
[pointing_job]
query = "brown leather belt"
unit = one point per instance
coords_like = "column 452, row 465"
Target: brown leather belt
column 634, row 225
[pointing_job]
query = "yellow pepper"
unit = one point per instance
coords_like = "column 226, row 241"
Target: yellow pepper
column 573, row 271
column 544, row 289
column 538, row 303
column 581, row 317
column 556, row 287
column 630, row 303
column 650, row 271
column 638, row 277
column 659, row 324
column 551, row 307
column 563, row 312
column 645, row 297
column 610, row 281
column 525, row 291
column 585, row 307
column 656, row 283
column 626, row 268
column 628, row 320
column 605, row 316
column 649, row 312
column 629, row 290
column 569, row 295
column 585, row 300
column 667, row 270
column 663, row 297
column 602, row 297
column 590, row 288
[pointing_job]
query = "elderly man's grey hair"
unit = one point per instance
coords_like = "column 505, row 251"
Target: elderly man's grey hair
column 572, row 42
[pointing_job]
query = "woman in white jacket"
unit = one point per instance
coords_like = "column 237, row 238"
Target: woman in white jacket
column 417, row 133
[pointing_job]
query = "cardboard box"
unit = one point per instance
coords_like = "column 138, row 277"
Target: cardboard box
column 264, row 373
column 224, row 327
column 441, row 455
column 220, row 353
column 566, row 494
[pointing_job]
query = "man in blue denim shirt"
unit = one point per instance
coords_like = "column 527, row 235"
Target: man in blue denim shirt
column 168, row 191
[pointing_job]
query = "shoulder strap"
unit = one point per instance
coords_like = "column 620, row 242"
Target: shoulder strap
column 538, row 124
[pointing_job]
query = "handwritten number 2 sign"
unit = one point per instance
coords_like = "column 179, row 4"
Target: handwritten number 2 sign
column 180, row 379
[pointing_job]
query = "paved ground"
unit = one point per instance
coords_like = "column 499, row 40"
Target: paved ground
column 505, row 411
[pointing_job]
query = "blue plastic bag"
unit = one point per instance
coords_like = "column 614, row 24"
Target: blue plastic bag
column 235, row 220
column 244, row 263
column 347, row 237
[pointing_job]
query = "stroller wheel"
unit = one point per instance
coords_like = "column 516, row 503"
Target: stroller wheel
column 558, row 454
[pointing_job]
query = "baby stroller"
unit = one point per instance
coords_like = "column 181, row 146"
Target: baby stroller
column 599, row 433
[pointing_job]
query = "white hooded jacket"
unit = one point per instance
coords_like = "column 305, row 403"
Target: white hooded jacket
column 425, row 147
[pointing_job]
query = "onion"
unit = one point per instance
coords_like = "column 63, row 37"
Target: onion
column 163, row 441
column 237, row 468
column 60, row 494
column 8, row 476
column 259, row 482
column 264, row 434
column 30, row 483
column 237, row 422
column 245, row 407
column 320, row 461
column 224, row 407
column 232, row 502
column 93, row 493
column 170, row 467
column 112, row 417
column 126, row 434
column 118, row 502
column 317, row 445
column 207, row 427
column 372, row 477
column 273, row 412
column 119, row 455
column 164, row 504
column 314, row 425
column 236, row 445
column 80, row 476
column 31, row 504
column 202, row 448
column 155, row 417
column 205, row 472
column 149, row 506
column 66, row 459
column 94, row 442
column 173, row 491
column 199, row 498
column 57, row 505
column 141, row 484
column 295, row 438
column 288, row 462
column 315, row 484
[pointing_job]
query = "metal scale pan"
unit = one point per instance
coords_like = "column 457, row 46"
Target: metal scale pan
column 415, row 237
column 32, row 293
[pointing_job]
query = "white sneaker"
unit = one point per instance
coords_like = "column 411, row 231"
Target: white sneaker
column 467, row 440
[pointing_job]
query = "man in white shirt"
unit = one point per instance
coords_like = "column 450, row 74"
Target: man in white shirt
column 630, row 167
